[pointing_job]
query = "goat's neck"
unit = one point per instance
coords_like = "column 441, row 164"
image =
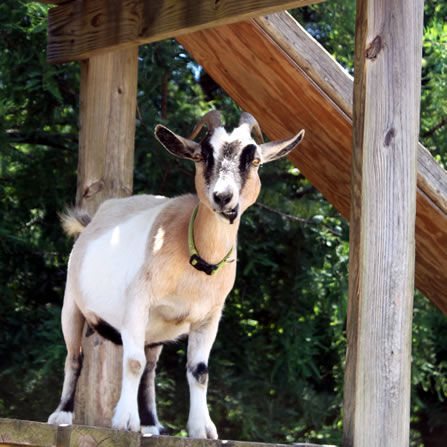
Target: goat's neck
column 213, row 237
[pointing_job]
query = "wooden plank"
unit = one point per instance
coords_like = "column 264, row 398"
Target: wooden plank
column 288, row 87
column 311, row 57
column 35, row 434
column 94, row 436
column 388, row 54
column 432, row 179
column 79, row 29
column 169, row 441
column 105, row 170
column 28, row 433
column 336, row 82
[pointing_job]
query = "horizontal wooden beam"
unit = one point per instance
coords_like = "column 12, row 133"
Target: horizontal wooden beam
column 288, row 81
column 15, row 432
column 78, row 29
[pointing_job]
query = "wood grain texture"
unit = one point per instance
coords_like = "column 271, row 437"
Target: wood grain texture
column 311, row 57
column 79, row 29
column 388, row 55
column 107, row 127
column 105, row 170
column 287, row 87
column 28, row 433
column 17, row 432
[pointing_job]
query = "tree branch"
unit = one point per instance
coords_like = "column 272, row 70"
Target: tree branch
column 434, row 129
column 52, row 140
column 297, row 219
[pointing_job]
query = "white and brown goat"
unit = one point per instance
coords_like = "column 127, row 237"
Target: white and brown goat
column 148, row 270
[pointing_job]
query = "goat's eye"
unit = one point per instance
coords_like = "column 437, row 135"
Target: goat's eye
column 197, row 158
column 256, row 162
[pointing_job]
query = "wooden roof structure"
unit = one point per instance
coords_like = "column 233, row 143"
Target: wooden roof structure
column 303, row 86
column 362, row 155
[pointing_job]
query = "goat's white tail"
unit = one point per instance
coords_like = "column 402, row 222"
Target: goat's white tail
column 74, row 221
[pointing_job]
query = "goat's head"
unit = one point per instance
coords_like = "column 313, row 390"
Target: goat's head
column 227, row 164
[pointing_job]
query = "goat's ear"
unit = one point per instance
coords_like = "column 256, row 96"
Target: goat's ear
column 277, row 149
column 177, row 145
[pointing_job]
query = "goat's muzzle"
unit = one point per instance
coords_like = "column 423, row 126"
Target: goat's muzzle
column 229, row 215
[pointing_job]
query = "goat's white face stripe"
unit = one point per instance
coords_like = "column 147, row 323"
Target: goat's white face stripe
column 220, row 137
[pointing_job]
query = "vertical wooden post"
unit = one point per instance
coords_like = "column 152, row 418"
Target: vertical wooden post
column 105, row 170
column 388, row 54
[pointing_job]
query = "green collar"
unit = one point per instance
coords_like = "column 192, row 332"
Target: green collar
column 195, row 260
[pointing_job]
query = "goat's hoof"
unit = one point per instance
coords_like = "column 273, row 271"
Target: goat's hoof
column 126, row 420
column 206, row 430
column 154, row 430
column 61, row 417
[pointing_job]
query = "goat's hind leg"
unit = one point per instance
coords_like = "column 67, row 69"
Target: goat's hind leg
column 146, row 394
column 72, row 324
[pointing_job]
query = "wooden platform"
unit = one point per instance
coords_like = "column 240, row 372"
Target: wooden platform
column 37, row 434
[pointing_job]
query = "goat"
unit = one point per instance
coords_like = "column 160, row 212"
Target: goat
column 136, row 275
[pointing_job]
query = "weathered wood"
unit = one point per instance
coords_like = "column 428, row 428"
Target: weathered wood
column 34, row 434
column 287, row 87
column 107, row 127
column 37, row 434
column 79, row 29
column 388, row 54
column 105, row 170
column 169, row 441
column 92, row 437
column 311, row 57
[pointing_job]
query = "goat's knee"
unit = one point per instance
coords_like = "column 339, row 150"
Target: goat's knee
column 135, row 366
column 199, row 372
column 126, row 415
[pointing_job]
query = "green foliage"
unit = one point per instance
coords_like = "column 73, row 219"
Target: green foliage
column 434, row 81
column 277, row 365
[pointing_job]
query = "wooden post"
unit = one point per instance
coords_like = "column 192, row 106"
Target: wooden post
column 105, row 170
column 388, row 54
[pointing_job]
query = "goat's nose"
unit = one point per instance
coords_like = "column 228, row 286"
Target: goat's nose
column 222, row 198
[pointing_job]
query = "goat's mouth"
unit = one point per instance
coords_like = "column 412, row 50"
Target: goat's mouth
column 230, row 215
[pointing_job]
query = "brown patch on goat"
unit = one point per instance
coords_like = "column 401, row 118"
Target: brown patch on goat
column 134, row 366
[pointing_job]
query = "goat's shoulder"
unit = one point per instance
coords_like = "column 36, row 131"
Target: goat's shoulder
column 168, row 238
column 177, row 212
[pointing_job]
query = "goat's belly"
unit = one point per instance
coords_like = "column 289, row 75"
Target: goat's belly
column 110, row 265
column 160, row 331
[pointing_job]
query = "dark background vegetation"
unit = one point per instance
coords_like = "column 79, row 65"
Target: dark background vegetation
column 277, row 365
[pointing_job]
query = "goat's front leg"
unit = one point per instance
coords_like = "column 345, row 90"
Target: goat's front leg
column 201, row 339
column 126, row 416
